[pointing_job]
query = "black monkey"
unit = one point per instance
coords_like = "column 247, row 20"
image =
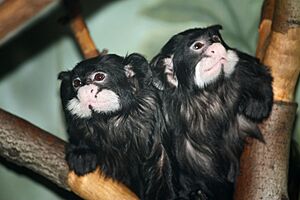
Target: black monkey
column 115, row 122
column 213, row 96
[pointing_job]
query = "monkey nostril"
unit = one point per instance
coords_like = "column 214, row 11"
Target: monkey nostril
column 92, row 90
column 212, row 51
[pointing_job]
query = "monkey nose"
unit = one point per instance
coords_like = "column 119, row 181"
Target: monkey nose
column 216, row 49
column 87, row 92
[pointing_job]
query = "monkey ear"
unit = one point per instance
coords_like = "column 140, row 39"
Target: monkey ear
column 65, row 88
column 163, row 71
column 137, row 69
column 157, row 69
column 136, row 65
column 64, row 75
column 216, row 27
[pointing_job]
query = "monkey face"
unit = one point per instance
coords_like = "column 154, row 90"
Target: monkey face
column 195, row 57
column 100, row 85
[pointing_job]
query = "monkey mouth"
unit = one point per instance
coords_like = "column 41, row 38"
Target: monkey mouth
column 220, row 62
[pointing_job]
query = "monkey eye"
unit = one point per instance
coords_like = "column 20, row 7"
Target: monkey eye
column 77, row 83
column 99, row 76
column 216, row 38
column 197, row 45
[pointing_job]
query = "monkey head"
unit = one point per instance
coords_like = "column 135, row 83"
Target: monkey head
column 193, row 58
column 102, row 85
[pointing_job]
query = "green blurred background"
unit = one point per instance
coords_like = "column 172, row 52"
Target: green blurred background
column 31, row 61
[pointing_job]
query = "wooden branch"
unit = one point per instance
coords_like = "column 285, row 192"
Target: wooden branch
column 265, row 28
column 94, row 186
column 282, row 49
column 29, row 146
column 264, row 167
column 82, row 35
column 16, row 14
column 80, row 30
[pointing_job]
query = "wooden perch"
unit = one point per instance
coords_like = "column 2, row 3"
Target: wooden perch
column 264, row 167
column 27, row 145
column 80, row 30
column 16, row 14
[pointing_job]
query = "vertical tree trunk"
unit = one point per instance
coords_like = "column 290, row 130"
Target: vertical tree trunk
column 264, row 167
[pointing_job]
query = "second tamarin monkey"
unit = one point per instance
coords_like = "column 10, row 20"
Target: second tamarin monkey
column 213, row 96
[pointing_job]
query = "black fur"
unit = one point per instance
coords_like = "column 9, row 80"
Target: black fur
column 208, row 126
column 125, row 144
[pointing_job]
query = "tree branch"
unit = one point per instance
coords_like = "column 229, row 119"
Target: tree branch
column 264, row 167
column 29, row 146
column 80, row 30
column 15, row 14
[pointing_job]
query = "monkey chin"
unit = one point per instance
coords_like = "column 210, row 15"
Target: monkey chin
column 214, row 69
column 207, row 70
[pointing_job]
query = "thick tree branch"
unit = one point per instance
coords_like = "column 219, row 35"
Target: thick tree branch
column 280, row 46
column 29, row 146
column 264, row 167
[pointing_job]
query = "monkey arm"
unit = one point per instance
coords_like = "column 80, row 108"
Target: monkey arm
column 256, row 88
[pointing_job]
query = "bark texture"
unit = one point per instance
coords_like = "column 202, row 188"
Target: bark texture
column 264, row 167
column 27, row 145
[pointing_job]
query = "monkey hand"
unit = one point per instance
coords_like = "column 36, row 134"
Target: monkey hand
column 256, row 110
column 81, row 160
